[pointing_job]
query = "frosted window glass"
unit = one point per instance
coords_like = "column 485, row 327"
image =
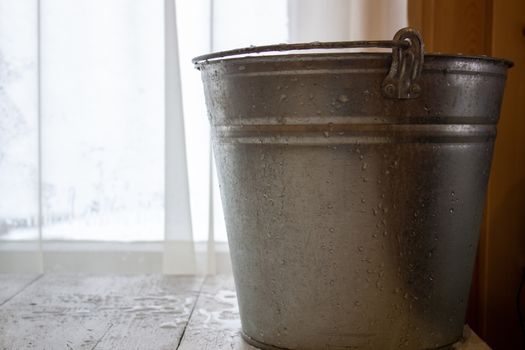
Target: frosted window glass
column 103, row 119
column 18, row 121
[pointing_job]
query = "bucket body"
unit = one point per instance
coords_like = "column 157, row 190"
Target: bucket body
column 352, row 218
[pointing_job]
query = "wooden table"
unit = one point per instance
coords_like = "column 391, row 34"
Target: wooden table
column 65, row 311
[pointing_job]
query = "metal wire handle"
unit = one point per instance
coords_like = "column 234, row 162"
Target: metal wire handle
column 402, row 81
column 389, row 44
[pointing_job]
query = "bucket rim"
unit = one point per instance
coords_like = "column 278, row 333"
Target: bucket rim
column 201, row 61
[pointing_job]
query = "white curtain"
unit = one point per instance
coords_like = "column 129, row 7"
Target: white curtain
column 105, row 161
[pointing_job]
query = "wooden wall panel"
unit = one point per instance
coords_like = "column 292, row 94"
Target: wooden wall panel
column 505, row 246
column 453, row 26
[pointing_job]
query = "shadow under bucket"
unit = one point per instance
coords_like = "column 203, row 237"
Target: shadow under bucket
column 353, row 187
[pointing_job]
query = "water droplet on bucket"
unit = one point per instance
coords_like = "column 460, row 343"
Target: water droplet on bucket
column 364, row 166
column 343, row 98
column 451, row 210
column 331, row 229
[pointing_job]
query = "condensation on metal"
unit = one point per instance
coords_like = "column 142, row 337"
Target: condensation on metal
column 352, row 215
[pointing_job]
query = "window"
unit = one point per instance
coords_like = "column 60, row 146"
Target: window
column 93, row 146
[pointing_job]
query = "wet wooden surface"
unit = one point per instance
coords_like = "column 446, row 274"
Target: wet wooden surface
column 65, row 311
column 12, row 284
column 215, row 323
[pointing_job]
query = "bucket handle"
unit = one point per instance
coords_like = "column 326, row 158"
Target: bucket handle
column 402, row 80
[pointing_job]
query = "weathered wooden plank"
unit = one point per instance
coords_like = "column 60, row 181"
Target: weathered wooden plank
column 99, row 312
column 11, row 284
column 157, row 317
column 215, row 323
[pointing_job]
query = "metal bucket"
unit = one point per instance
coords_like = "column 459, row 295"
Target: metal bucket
column 353, row 187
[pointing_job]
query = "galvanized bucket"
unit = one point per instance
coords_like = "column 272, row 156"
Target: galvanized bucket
column 353, row 187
